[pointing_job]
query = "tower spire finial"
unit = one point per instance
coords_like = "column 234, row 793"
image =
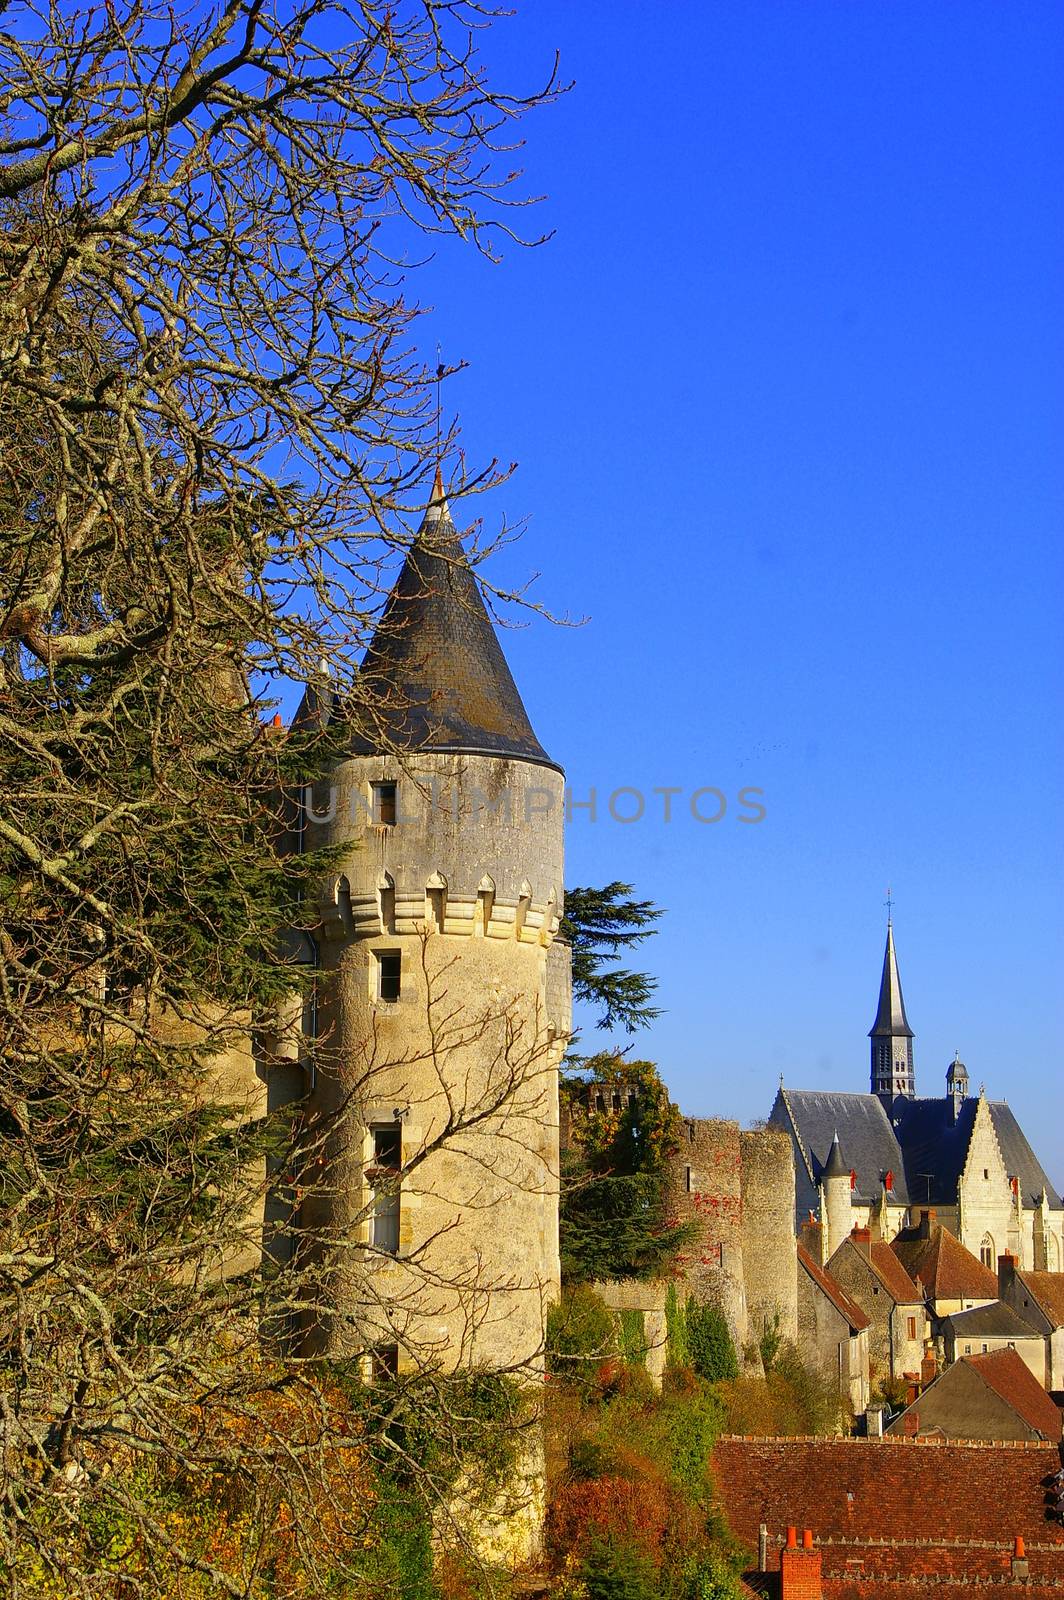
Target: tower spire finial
column 889, row 903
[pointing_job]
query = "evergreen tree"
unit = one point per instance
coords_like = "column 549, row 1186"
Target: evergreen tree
column 599, row 923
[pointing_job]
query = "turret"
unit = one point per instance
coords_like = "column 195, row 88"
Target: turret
column 444, row 1003
column 891, row 1036
column 836, row 1199
column 957, row 1083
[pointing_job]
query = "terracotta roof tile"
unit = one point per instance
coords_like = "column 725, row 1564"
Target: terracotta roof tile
column 946, row 1269
column 1006, row 1372
column 834, row 1291
column 894, row 1276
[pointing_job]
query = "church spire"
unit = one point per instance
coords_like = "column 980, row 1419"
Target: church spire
column 891, row 1035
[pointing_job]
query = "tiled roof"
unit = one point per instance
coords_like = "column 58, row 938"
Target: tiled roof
column 995, row 1321
column 1047, row 1289
column 835, row 1292
column 945, row 1268
column 1008, row 1375
column 887, row 1489
column 893, row 1275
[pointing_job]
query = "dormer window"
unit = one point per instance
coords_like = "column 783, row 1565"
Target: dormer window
column 384, row 804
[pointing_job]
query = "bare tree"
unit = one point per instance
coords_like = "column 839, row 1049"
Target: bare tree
column 213, row 418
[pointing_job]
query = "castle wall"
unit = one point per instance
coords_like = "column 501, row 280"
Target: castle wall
column 769, row 1263
column 705, row 1188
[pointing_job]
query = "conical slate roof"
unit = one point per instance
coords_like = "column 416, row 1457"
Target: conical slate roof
column 891, row 1021
column 435, row 678
column 836, row 1166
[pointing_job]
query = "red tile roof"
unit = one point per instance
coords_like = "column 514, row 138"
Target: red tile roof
column 946, row 1269
column 834, row 1291
column 1047, row 1288
column 895, row 1279
column 909, row 1491
column 1008, row 1375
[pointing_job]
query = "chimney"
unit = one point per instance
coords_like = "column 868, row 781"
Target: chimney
column 800, row 1577
column 862, row 1238
column 812, row 1238
column 1019, row 1558
column 1007, row 1265
column 928, row 1368
column 928, row 1218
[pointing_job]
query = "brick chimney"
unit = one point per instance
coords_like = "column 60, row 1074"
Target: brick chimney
column 1007, row 1265
column 928, row 1218
column 1019, row 1559
column 862, row 1238
column 800, row 1577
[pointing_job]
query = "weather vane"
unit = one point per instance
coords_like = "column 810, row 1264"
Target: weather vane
column 439, row 399
column 889, row 903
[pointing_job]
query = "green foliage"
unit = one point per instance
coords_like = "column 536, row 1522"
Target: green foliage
column 676, row 1352
column 632, row 1338
column 581, row 1334
column 698, row 1338
column 770, row 1342
column 598, row 924
column 615, row 1220
column 709, row 1344
column 613, row 1570
column 631, row 1508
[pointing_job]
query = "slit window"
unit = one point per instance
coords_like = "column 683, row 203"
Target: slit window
column 389, row 974
column 384, row 1182
column 912, row 1327
column 384, row 804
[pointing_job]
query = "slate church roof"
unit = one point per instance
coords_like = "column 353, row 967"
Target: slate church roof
column 935, row 1149
column 890, row 1015
column 867, row 1142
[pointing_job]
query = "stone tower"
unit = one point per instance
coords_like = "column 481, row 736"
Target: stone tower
column 891, row 1035
column 430, row 1206
column 836, row 1200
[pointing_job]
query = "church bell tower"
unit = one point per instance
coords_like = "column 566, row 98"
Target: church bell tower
column 892, row 1038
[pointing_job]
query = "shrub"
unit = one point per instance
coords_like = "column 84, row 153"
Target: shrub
column 581, row 1334
column 709, row 1345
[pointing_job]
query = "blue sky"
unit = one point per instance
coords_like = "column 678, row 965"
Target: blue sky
column 785, row 391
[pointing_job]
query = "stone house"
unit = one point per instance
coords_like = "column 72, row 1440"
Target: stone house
column 994, row 1327
column 875, row 1279
column 993, row 1396
column 1039, row 1299
column 952, row 1279
column 833, row 1332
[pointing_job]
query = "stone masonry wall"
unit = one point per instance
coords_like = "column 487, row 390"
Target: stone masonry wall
column 705, row 1188
column 769, row 1261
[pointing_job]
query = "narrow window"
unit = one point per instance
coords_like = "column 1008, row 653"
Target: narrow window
column 986, row 1173
column 384, row 1181
column 389, row 974
column 687, row 1179
column 384, row 1362
column 911, row 1326
column 967, row 1349
column 384, row 804
column 986, row 1251
column 986, row 1349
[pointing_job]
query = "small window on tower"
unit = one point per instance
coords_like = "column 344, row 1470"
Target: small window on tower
column 389, row 974
column 986, row 1172
column 384, row 804
column 910, row 1327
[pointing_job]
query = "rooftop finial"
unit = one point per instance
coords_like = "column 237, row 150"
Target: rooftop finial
column 889, row 903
